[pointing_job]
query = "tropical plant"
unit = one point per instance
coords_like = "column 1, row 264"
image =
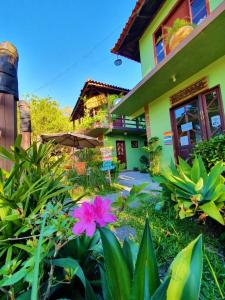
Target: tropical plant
column 194, row 191
column 35, row 181
column 135, row 274
column 211, row 151
column 136, row 195
column 145, row 164
column 177, row 24
column 154, row 150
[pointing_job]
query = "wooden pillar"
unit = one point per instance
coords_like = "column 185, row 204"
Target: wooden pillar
column 25, row 123
column 8, row 98
column 147, row 122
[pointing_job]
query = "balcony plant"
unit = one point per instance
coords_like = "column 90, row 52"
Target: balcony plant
column 178, row 32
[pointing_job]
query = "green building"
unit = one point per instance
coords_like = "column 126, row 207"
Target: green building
column 91, row 116
column 181, row 48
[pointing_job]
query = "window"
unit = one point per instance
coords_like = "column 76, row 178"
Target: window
column 134, row 144
column 159, row 46
column 198, row 11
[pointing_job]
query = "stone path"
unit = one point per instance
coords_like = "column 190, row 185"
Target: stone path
column 129, row 178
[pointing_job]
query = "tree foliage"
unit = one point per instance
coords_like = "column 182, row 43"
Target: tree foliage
column 48, row 117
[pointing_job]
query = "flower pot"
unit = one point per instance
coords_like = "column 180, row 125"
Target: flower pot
column 179, row 36
column 80, row 167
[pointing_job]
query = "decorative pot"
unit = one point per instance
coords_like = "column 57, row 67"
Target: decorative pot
column 80, row 167
column 179, row 36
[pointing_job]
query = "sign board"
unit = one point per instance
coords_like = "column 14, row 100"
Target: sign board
column 107, row 159
column 216, row 121
column 95, row 101
column 107, row 165
column 190, row 91
column 184, row 141
column 186, row 126
column 168, row 138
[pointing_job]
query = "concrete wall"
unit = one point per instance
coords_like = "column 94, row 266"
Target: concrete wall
column 132, row 154
column 146, row 41
column 159, row 108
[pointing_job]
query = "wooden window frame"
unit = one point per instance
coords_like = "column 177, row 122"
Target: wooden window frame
column 165, row 20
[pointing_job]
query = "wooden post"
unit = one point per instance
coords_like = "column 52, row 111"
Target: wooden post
column 25, row 123
column 147, row 122
column 8, row 98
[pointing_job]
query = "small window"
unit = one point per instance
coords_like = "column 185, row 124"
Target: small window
column 159, row 46
column 134, row 144
column 198, row 11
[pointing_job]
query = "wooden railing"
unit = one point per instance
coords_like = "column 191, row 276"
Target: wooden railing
column 126, row 123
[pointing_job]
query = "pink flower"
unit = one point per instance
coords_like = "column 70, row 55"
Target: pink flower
column 87, row 219
column 102, row 211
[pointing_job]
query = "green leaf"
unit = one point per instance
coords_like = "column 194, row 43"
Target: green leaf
column 186, row 273
column 14, row 278
column 130, row 250
column 146, row 275
column 211, row 210
column 117, row 271
column 70, row 263
column 160, row 293
column 195, row 170
column 35, row 283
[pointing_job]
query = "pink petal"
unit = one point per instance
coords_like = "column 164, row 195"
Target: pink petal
column 90, row 229
column 78, row 228
column 77, row 213
column 109, row 218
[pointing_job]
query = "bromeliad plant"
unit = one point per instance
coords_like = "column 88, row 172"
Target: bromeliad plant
column 130, row 272
column 194, row 191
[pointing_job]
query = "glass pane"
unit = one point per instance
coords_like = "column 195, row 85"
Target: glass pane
column 160, row 51
column 188, row 124
column 212, row 103
column 193, row 114
column 199, row 11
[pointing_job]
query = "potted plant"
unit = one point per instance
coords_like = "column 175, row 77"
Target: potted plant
column 178, row 32
column 80, row 164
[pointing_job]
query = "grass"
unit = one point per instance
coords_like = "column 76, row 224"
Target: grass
column 171, row 235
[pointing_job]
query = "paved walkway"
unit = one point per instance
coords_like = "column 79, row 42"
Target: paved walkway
column 129, row 178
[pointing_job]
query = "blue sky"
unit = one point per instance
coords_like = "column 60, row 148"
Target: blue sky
column 62, row 43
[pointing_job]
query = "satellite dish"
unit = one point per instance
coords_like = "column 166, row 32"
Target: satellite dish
column 118, row 62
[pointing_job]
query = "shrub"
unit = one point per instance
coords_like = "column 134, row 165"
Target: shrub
column 154, row 150
column 211, row 151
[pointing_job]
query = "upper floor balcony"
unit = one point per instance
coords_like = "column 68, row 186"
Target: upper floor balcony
column 115, row 124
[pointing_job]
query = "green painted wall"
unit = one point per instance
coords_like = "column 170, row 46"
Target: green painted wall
column 159, row 108
column 133, row 154
column 146, row 41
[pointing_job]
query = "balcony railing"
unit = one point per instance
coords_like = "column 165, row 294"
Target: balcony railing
column 126, row 123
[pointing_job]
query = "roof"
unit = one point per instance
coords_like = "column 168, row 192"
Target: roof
column 128, row 43
column 204, row 45
column 91, row 85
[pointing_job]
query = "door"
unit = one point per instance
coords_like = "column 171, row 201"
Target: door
column 213, row 111
column 121, row 151
column 197, row 119
column 187, row 127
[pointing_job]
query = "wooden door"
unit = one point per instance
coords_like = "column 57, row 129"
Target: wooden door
column 213, row 112
column 187, row 127
column 198, row 119
column 121, row 151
